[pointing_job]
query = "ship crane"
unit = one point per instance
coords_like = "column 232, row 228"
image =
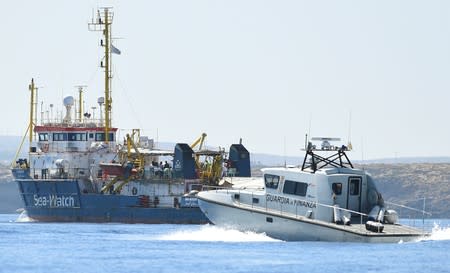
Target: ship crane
column 211, row 167
column 199, row 142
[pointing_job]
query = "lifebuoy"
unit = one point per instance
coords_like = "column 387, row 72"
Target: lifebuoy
column 134, row 191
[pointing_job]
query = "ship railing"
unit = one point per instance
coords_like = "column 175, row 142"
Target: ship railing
column 56, row 173
column 76, row 123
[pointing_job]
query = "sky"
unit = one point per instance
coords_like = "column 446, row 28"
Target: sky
column 374, row 72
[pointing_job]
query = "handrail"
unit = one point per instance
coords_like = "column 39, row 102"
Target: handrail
column 410, row 208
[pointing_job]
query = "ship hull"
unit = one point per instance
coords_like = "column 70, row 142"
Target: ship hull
column 61, row 201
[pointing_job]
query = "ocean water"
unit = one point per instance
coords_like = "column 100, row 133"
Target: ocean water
column 82, row 247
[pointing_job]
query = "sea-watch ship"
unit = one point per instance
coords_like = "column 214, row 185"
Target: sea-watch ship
column 79, row 170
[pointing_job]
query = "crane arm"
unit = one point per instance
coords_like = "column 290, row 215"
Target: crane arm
column 199, row 141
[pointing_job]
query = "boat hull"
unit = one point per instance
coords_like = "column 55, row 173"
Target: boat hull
column 62, row 201
column 288, row 228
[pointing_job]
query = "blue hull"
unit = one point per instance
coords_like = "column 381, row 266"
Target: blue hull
column 60, row 200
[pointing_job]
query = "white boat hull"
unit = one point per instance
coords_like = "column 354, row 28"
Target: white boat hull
column 291, row 228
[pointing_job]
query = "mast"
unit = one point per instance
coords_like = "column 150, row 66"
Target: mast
column 33, row 90
column 103, row 24
column 80, row 102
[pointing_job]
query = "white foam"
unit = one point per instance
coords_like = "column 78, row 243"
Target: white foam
column 23, row 218
column 438, row 234
column 209, row 233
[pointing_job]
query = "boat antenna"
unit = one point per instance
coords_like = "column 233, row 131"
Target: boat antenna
column 80, row 102
column 362, row 151
column 103, row 24
column 309, row 128
column 306, row 142
column 349, row 144
column 284, row 150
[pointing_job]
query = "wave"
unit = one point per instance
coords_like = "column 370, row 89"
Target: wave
column 438, row 233
column 23, row 218
column 209, row 233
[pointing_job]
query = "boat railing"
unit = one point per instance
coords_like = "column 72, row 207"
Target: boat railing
column 303, row 213
column 413, row 215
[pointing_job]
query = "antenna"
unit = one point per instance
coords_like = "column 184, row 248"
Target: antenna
column 51, row 112
column 349, row 144
column 80, row 102
column 42, row 112
column 309, row 128
column 284, row 150
column 103, row 24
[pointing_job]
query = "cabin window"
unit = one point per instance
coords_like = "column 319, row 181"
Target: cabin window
column 101, row 137
column 295, row 188
column 43, row 137
column 59, row 136
column 271, row 181
column 91, row 135
column 77, row 136
column 354, row 186
column 337, row 188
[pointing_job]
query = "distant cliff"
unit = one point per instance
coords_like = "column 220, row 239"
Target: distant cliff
column 408, row 184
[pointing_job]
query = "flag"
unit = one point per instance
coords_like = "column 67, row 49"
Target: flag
column 115, row 50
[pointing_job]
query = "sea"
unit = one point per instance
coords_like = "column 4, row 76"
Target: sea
column 84, row 247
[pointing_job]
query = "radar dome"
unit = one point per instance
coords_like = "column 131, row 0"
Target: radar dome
column 101, row 100
column 68, row 101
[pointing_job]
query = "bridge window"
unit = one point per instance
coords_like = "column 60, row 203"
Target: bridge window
column 101, row 137
column 271, row 181
column 77, row 136
column 43, row 137
column 295, row 188
column 59, row 136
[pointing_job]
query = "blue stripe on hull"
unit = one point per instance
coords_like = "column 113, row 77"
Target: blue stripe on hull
column 61, row 201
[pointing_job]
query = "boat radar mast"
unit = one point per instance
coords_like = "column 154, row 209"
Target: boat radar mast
column 103, row 23
column 338, row 159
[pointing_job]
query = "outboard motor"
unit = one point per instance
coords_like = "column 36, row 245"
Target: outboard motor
column 391, row 217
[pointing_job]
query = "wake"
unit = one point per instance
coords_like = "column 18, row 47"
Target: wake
column 440, row 233
column 23, row 218
column 209, row 233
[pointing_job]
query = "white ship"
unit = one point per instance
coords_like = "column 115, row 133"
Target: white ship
column 326, row 199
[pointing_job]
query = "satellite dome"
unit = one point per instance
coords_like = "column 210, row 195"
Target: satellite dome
column 101, row 100
column 68, row 101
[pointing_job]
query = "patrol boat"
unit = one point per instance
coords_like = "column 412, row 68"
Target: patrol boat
column 325, row 199
column 78, row 170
